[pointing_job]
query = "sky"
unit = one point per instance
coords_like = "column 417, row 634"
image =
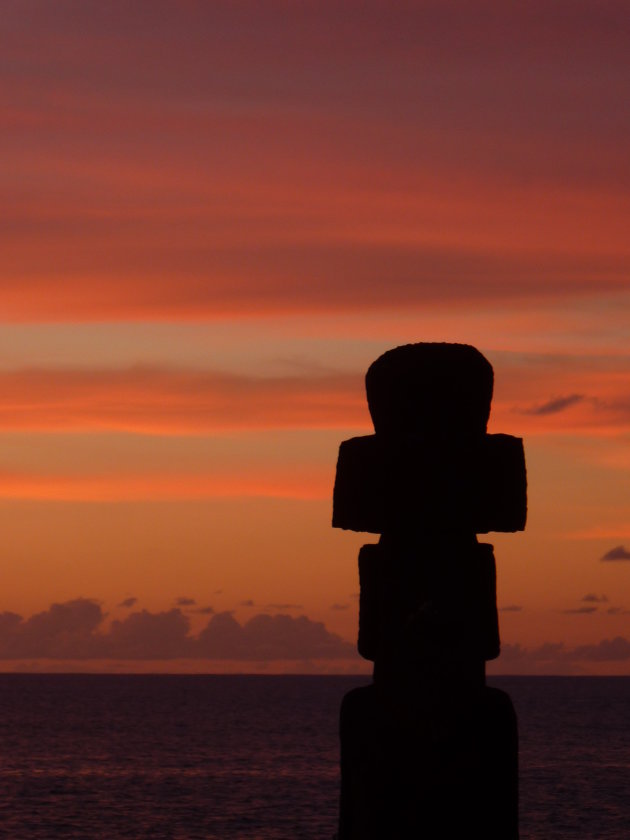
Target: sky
column 215, row 216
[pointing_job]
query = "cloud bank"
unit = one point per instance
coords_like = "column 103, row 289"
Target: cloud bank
column 556, row 654
column 74, row 630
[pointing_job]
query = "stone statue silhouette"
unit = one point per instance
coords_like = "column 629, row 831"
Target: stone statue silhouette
column 428, row 750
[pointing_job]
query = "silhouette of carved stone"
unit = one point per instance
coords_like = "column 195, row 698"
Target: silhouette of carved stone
column 385, row 483
column 428, row 750
column 435, row 390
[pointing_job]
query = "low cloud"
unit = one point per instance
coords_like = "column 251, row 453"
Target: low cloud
column 270, row 637
column 556, row 654
column 247, row 603
column 74, row 630
column 145, row 635
column 580, row 611
column 128, row 602
column 591, row 598
column 185, row 602
column 608, row 650
column 67, row 630
column 619, row 552
column 284, row 607
column 543, row 653
column 554, row 406
column 339, row 606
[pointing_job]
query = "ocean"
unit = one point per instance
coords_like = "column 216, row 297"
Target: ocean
column 236, row 757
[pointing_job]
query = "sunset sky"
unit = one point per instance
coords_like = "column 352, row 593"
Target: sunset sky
column 215, row 216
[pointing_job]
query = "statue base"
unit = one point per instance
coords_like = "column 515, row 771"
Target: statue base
column 454, row 780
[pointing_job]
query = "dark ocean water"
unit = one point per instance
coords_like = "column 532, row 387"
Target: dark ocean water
column 235, row 757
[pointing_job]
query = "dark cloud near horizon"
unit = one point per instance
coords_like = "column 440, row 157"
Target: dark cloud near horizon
column 128, row 602
column 548, row 651
column 580, row 611
column 591, row 598
column 619, row 552
column 554, row 406
column 67, row 630
column 284, row 607
column 270, row 637
column 247, row 603
column 339, row 606
column 185, row 602
column 73, row 630
column 607, row 650
column 145, row 635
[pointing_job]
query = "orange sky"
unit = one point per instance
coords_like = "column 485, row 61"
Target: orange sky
column 215, row 217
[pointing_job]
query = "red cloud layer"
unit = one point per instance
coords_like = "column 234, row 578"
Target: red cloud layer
column 160, row 401
column 248, row 159
column 534, row 395
column 122, row 486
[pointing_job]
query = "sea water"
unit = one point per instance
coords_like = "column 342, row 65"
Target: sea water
column 236, row 757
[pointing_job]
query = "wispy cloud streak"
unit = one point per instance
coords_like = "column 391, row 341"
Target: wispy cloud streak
column 248, row 159
column 175, row 401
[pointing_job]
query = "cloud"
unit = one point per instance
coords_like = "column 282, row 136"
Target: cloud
column 294, row 483
column 169, row 233
column 619, row 552
column 157, row 399
column 284, row 606
column 266, row 637
column 556, row 405
column 75, row 630
column 66, row 630
column 171, row 401
column 222, row 638
column 550, row 651
column 247, row 603
column 339, row 606
column 591, row 598
column 556, row 657
column 580, row 611
column 608, row 650
column 128, row 602
column 145, row 635
column 605, row 378
column 185, row 602
column 205, row 610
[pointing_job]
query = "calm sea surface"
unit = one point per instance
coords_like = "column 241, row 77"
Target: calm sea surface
column 231, row 757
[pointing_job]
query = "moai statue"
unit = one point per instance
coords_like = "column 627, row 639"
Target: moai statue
column 428, row 750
